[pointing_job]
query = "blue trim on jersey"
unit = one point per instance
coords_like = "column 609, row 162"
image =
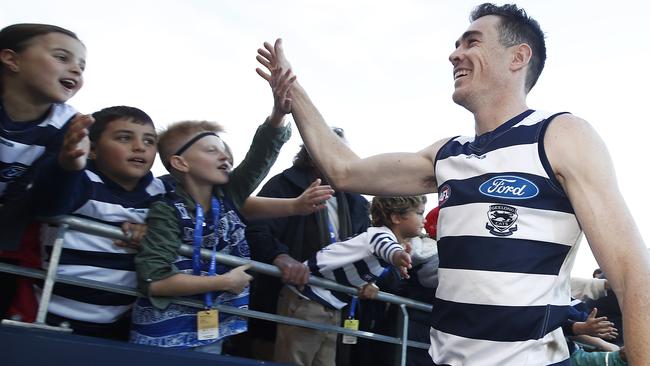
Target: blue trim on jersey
column 485, row 143
column 501, row 254
column 486, row 322
column 542, row 154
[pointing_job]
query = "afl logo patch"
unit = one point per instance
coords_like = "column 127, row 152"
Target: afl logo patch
column 501, row 220
column 509, row 187
column 443, row 194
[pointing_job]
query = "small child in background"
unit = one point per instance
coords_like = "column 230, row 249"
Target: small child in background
column 357, row 262
column 41, row 67
column 203, row 211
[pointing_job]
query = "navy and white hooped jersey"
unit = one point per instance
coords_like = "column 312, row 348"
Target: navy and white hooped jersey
column 507, row 239
column 21, row 144
column 353, row 262
column 97, row 258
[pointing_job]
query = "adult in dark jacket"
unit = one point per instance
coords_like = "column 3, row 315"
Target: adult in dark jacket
column 287, row 242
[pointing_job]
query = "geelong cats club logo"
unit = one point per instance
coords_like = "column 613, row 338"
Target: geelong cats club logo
column 501, row 220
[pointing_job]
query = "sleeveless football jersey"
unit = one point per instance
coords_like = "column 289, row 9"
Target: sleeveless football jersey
column 507, row 239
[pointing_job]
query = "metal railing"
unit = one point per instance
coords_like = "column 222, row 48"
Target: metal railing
column 95, row 228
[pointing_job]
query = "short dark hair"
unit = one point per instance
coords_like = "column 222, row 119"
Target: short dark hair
column 16, row 36
column 302, row 160
column 517, row 27
column 110, row 114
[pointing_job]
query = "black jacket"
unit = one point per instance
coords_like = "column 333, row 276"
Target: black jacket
column 301, row 236
column 298, row 236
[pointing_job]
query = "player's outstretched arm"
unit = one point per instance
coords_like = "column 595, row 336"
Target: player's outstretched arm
column 584, row 168
column 385, row 174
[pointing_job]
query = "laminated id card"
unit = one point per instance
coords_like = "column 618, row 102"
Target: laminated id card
column 207, row 324
column 352, row 324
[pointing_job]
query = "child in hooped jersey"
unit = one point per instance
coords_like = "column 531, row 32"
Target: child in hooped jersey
column 115, row 187
column 41, row 67
column 206, row 210
column 356, row 262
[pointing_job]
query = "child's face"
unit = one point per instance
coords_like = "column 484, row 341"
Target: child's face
column 208, row 161
column 125, row 151
column 412, row 222
column 50, row 68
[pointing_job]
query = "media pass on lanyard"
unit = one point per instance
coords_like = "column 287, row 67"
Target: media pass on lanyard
column 207, row 321
column 351, row 323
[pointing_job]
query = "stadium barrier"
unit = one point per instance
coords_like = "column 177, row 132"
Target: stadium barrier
column 65, row 223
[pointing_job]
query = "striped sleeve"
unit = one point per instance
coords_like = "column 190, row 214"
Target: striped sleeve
column 384, row 245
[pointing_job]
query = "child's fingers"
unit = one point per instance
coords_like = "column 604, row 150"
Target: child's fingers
column 315, row 183
column 245, row 267
column 120, row 243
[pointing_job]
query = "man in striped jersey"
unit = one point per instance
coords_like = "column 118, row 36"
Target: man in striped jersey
column 514, row 200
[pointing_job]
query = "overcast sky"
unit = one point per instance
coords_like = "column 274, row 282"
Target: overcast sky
column 378, row 69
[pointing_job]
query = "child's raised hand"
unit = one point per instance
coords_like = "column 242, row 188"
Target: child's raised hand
column 313, row 198
column 402, row 260
column 135, row 231
column 368, row 291
column 76, row 144
column 237, row 279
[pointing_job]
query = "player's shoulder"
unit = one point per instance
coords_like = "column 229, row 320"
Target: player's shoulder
column 567, row 124
column 432, row 150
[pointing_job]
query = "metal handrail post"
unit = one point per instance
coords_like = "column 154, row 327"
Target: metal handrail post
column 50, row 278
column 405, row 333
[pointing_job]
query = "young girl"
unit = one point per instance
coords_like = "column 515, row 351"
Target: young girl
column 41, row 67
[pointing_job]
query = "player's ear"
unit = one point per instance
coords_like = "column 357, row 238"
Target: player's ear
column 521, row 55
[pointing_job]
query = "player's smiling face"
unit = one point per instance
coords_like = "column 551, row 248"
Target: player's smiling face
column 480, row 62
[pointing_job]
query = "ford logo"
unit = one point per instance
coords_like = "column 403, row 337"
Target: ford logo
column 509, row 186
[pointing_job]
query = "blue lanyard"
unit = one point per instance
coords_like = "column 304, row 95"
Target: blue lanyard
column 198, row 243
column 353, row 306
column 330, row 227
